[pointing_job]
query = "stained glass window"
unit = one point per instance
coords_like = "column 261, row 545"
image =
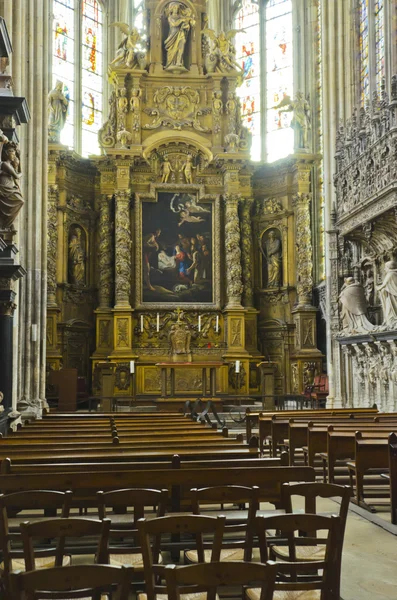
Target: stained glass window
column 78, row 63
column 279, row 78
column 364, row 52
column 248, row 56
column 379, row 43
column 63, row 60
column 92, row 73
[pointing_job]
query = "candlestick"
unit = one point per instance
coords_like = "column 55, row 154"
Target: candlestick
column 141, row 323
column 199, row 323
column 237, row 366
column 132, row 367
column 217, row 324
column 158, row 323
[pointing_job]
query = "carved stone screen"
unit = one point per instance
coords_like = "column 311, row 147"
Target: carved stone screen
column 177, row 245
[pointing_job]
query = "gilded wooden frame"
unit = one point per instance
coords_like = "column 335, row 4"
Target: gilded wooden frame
column 152, row 196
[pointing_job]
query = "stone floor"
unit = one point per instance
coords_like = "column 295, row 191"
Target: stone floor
column 369, row 566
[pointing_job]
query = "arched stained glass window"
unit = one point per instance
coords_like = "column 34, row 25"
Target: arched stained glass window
column 248, row 55
column 78, row 62
column 279, row 78
column 265, row 55
column 379, row 43
column 364, row 52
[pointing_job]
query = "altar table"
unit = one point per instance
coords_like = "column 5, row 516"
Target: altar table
column 212, row 366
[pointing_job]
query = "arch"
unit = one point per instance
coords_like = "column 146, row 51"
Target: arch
column 189, row 138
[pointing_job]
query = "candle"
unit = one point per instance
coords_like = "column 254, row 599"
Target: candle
column 199, row 323
column 237, row 366
column 158, row 323
column 132, row 366
column 217, row 324
column 141, row 323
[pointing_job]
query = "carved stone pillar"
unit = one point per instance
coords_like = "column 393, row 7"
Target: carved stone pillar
column 246, row 247
column 123, row 249
column 234, row 285
column 304, row 250
column 105, row 253
column 52, row 243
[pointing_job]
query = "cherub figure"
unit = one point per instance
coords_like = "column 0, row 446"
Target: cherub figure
column 127, row 49
column 186, row 217
column 224, row 49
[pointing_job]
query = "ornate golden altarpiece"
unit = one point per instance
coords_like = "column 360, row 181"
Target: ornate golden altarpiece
column 174, row 129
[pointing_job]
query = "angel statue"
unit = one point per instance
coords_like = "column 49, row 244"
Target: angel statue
column 224, row 50
column 126, row 52
column 301, row 120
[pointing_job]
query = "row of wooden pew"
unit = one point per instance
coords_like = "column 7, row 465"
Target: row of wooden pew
column 363, row 441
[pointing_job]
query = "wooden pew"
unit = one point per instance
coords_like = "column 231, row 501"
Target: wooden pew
column 266, row 421
column 85, row 484
column 392, row 476
column 371, row 454
column 222, row 460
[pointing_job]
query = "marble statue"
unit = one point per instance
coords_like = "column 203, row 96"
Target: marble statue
column 180, row 21
column 273, row 253
column 301, row 121
column 224, row 50
column 354, row 308
column 388, row 294
column 179, row 339
column 76, row 258
column 127, row 49
column 11, row 199
column 58, row 105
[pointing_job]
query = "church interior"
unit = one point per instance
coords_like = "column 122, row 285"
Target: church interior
column 198, row 281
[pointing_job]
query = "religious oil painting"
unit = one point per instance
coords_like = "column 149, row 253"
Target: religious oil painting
column 177, row 247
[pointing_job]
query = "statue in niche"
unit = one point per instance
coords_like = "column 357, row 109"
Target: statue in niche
column 135, row 104
column 58, row 104
column 187, row 169
column 179, row 338
column 180, row 20
column 388, row 294
column 354, row 308
column 11, row 199
column 272, row 252
column 301, row 120
column 122, row 108
column 77, row 257
column 166, row 170
column 126, row 53
column 369, row 287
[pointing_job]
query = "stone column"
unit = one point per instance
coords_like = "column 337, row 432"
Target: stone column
column 234, row 285
column 246, row 247
column 105, row 253
column 123, row 270
column 304, row 251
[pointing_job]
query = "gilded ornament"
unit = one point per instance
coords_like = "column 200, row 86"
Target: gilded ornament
column 187, row 169
column 246, row 249
column 105, row 253
column 223, row 53
column 123, row 245
column 234, row 286
column 107, row 133
column 177, row 107
column 122, row 333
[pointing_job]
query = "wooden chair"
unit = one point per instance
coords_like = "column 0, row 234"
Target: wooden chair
column 204, row 579
column 299, row 578
column 79, row 580
column 127, row 551
column 59, row 530
column 152, row 533
column 233, row 549
column 10, row 538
